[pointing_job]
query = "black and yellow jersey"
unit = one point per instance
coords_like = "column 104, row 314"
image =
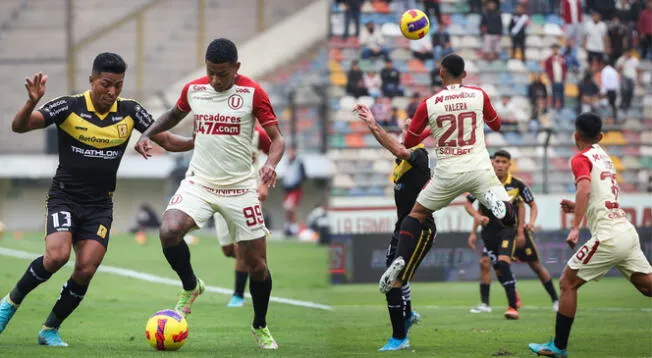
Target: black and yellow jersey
column 91, row 144
column 409, row 177
column 516, row 190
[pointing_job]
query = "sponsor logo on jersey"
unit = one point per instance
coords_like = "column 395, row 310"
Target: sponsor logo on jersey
column 217, row 118
column 235, row 101
column 96, row 153
column 453, row 151
column 176, row 199
column 217, row 128
column 99, row 140
column 86, row 115
column 242, row 90
column 80, row 128
column 461, row 95
column 199, row 88
column 117, row 118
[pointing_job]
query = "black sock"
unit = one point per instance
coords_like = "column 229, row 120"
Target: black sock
column 562, row 330
column 240, row 283
column 506, row 278
column 396, row 307
column 72, row 294
column 550, row 287
column 35, row 275
column 406, row 293
column 484, row 292
column 179, row 258
column 260, row 292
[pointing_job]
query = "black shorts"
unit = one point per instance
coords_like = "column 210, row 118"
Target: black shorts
column 412, row 251
column 84, row 221
column 498, row 242
column 529, row 252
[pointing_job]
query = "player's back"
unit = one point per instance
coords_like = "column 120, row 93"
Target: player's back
column 604, row 214
column 456, row 116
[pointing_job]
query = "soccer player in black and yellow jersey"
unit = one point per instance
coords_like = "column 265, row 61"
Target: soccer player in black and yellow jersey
column 411, row 173
column 94, row 130
column 503, row 244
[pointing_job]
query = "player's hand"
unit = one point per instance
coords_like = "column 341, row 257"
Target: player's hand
column 262, row 191
column 36, row 87
column 483, row 220
column 364, row 113
column 529, row 227
column 143, row 147
column 473, row 238
column 567, row 206
column 520, row 237
column 268, row 176
column 572, row 237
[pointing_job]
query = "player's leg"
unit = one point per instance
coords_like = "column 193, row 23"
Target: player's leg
column 503, row 268
column 397, row 304
column 189, row 208
column 635, row 265
column 57, row 253
column 229, row 248
column 485, row 283
column 241, row 276
column 530, row 253
column 89, row 254
column 642, row 282
column 491, row 193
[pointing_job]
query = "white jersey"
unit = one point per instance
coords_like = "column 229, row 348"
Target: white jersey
column 604, row 214
column 224, row 125
column 456, row 116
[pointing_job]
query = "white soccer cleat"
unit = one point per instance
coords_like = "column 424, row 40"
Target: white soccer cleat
column 390, row 275
column 497, row 206
column 481, row 308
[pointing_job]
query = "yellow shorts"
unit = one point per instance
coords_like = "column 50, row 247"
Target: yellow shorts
column 621, row 250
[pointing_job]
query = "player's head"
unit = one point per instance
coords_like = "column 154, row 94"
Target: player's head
column 588, row 129
column 501, row 161
column 107, row 78
column 222, row 64
column 452, row 69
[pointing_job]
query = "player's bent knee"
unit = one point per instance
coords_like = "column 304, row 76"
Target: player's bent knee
column 84, row 273
column 55, row 258
column 171, row 233
column 257, row 269
column 643, row 283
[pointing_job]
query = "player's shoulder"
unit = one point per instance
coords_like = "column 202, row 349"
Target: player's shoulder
column 67, row 102
column 474, row 89
column 518, row 181
column 247, row 83
column 199, row 82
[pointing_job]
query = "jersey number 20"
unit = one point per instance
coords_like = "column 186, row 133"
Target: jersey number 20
column 457, row 124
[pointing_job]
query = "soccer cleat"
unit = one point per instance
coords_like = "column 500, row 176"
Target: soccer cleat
column 188, row 297
column 395, row 344
column 518, row 300
column 50, row 337
column 548, row 349
column 264, row 338
column 502, row 210
column 7, row 310
column 481, row 308
column 415, row 318
column 390, row 275
column 555, row 306
column 236, row 301
column 511, row 313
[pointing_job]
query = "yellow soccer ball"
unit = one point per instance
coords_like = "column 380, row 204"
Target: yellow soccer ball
column 166, row 330
column 414, row 24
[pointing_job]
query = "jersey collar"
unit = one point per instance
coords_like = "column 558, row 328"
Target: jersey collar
column 91, row 108
column 508, row 180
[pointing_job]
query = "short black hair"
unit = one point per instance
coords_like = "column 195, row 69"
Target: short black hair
column 109, row 62
column 222, row 50
column 589, row 126
column 502, row 153
column 454, row 64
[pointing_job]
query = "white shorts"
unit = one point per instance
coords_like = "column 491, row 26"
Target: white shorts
column 222, row 232
column 621, row 250
column 240, row 208
column 445, row 187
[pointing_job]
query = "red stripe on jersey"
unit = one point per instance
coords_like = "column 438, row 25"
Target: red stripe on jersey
column 581, row 167
column 264, row 141
column 402, row 232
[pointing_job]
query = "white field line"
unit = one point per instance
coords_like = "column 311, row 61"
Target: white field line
column 533, row 308
column 163, row 280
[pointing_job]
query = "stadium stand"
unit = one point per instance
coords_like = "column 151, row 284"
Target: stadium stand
column 362, row 168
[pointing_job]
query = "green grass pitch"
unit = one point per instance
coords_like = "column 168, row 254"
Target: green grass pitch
column 613, row 319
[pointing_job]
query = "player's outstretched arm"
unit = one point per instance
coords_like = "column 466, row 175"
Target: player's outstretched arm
column 26, row 119
column 481, row 219
column 581, row 205
column 166, row 121
column 173, row 142
column 276, row 150
column 386, row 140
column 534, row 212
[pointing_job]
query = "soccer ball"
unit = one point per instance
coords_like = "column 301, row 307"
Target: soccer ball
column 414, row 24
column 166, row 330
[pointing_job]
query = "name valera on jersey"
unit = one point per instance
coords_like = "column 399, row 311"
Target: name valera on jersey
column 460, row 106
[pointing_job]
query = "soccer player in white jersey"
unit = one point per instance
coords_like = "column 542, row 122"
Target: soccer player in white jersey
column 456, row 116
column 227, row 238
column 614, row 241
column 221, row 177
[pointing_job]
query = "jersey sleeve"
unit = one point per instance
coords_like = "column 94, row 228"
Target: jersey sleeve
column 263, row 110
column 525, row 193
column 471, row 198
column 56, row 110
column 264, row 141
column 142, row 118
column 182, row 103
column 489, row 113
column 418, row 124
column 581, row 167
